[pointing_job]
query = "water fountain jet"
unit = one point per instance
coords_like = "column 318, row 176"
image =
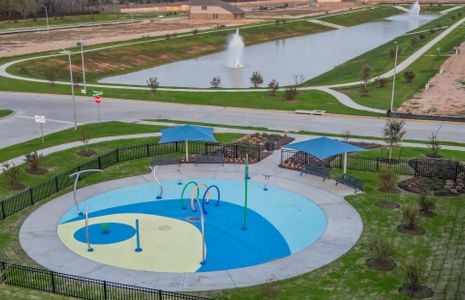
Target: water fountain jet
column 236, row 50
column 415, row 9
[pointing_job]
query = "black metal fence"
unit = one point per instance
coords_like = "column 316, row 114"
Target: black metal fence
column 81, row 287
column 30, row 196
column 444, row 169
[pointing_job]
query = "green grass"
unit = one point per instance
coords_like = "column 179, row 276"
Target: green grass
column 379, row 58
column 79, row 19
column 425, row 68
column 406, row 153
column 5, row 112
column 363, row 16
column 212, row 125
column 71, row 135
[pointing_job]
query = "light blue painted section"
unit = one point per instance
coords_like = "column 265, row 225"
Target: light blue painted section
column 298, row 219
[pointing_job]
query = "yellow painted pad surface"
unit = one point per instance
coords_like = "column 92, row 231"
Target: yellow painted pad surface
column 169, row 245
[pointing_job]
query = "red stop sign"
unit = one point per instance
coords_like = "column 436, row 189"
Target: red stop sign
column 97, row 99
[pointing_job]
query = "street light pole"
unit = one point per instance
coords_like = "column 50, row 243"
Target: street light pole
column 132, row 15
column 394, row 79
column 84, row 89
column 46, row 16
column 72, row 85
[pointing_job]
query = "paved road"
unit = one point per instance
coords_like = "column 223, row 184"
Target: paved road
column 21, row 127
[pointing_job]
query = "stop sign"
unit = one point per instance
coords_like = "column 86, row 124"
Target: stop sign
column 97, row 99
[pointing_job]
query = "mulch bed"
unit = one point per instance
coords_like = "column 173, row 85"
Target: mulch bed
column 411, row 231
column 17, row 187
column 260, row 139
column 387, row 204
column 38, row 171
column 423, row 292
column 438, row 186
column 376, row 264
column 87, row 153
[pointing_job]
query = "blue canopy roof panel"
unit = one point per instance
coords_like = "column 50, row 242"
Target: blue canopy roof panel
column 187, row 133
column 324, row 147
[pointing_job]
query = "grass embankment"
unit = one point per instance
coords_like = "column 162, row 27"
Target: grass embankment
column 425, row 68
column 76, row 20
column 162, row 51
column 380, row 60
column 5, row 112
column 71, row 135
column 362, row 16
column 440, row 249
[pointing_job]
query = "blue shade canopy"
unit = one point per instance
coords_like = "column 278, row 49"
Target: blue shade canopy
column 187, row 133
column 324, row 147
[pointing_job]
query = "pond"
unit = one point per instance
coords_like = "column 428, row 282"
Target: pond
column 308, row 55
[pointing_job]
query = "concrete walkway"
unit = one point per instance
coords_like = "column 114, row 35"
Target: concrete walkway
column 324, row 23
column 38, row 234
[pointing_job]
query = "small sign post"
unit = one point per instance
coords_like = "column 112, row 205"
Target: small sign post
column 97, row 99
column 40, row 119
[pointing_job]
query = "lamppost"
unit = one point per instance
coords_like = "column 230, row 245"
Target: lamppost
column 66, row 52
column 394, row 79
column 46, row 16
column 131, row 4
column 84, row 90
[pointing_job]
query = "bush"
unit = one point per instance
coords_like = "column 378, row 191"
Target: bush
column 153, row 84
column 273, row 86
column 409, row 76
column 392, row 53
column 381, row 249
column 410, row 216
column 426, row 204
column 413, row 275
column 291, row 93
column 388, row 181
column 34, row 160
column 215, row 82
column 256, row 79
column 380, row 82
column 422, row 36
column 12, row 174
column 195, row 31
column 413, row 41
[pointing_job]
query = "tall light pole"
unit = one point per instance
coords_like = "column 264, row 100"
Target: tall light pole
column 46, row 15
column 394, row 79
column 131, row 4
column 66, row 52
column 84, row 90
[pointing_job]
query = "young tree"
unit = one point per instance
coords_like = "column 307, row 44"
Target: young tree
column 153, row 84
column 273, row 86
column 394, row 133
column 256, row 79
column 84, row 137
column 433, row 145
column 409, row 76
column 366, row 74
column 291, row 92
column 216, row 82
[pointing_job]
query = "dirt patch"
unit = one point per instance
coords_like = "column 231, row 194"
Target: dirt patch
column 87, row 153
column 384, row 265
column 387, row 204
column 446, row 93
column 17, row 187
column 423, row 292
column 38, row 171
column 417, row 230
column 438, row 186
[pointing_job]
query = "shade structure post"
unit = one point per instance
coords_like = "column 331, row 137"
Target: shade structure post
column 345, row 162
column 187, row 151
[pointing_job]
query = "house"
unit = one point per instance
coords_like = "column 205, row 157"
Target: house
column 214, row 9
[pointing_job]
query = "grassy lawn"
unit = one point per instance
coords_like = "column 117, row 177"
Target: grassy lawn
column 160, row 51
column 440, row 249
column 71, row 135
column 379, row 58
column 5, row 112
column 79, row 19
column 425, row 68
column 363, row 16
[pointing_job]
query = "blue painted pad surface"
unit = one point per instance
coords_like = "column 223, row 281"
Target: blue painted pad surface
column 228, row 247
column 117, row 232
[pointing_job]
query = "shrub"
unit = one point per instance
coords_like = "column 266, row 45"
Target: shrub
column 413, row 41
column 392, row 53
column 388, row 181
column 425, row 203
column 409, row 76
column 215, row 82
column 195, row 31
column 380, row 82
column 413, row 275
column 410, row 216
column 422, row 36
column 34, row 160
column 381, row 249
column 256, row 79
column 153, row 84
column 432, row 31
column 273, row 86
column 433, row 145
column 291, row 93
column 12, row 174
